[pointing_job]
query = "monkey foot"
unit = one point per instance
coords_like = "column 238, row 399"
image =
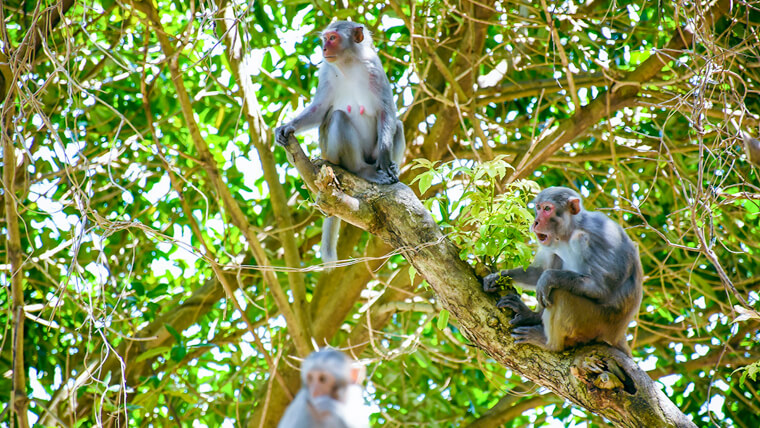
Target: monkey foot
column 523, row 315
column 385, row 177
column 530, row 334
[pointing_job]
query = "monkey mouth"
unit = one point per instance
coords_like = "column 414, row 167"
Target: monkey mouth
column 543, row 238
column 330, row 58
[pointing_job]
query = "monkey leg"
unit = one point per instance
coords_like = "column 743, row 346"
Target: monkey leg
column 399, row 145
column 523, row 315
column 330, row 231
column 389, row 159
column 349, row 146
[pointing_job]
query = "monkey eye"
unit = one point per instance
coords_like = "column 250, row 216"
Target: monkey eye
column 331, row 37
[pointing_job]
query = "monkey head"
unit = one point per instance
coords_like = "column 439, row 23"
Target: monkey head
column 340, row 36
column 555, row 209
column 328, row 372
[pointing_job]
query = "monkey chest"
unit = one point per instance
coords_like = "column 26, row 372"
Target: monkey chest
column 356, row 99
column 571, row 258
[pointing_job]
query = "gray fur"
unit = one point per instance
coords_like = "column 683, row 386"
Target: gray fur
column 588, row 281
column 356, row 115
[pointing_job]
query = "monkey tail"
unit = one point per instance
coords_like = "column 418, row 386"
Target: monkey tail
column 330, row 229
column 623, row 346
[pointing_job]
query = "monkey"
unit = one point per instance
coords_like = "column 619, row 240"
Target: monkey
column 353, row 106
column 330, row 396
column 586, row 273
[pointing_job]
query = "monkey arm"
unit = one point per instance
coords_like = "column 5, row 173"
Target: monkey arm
column 526, row 278
column 572, row 282
column 386, row 130
column 312, row 115
column 386, row 122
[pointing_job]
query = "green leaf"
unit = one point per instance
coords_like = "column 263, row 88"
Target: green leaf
column 426, row 180
column 443, row 319
column 174, row 333
column 178, row 352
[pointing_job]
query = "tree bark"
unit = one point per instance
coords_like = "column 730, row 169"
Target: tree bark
column 597, row 377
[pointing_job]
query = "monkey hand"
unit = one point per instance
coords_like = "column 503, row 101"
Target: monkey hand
column 544, row 292
column 491, row 282
column 282, row 133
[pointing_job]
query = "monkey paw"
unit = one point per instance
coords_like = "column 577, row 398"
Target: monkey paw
column 385, row 176
column 283, row 133
column 323, row 404
column 531, row 334
column 512, row 301
column 523, row 315
column 394, row 169
column 491, row 282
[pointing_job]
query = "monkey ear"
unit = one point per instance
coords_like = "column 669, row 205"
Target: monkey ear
column 574, row 205
column 358, row 34
column 357, row 373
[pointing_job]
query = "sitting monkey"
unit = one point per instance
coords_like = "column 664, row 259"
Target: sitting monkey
column 586, row 273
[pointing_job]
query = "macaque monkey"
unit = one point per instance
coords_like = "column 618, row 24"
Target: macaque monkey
column 586, row 273
column 354, row 108
column 330, row 396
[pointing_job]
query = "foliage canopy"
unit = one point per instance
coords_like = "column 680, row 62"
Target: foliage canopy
column 160, row 257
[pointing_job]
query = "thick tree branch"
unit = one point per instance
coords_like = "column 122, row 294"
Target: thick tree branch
column 19, row 400
column 513, row 91
column 601, row 379
column 510, row 407
column 261, row 139
column 621, row 94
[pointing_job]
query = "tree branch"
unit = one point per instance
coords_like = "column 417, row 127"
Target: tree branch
column 510, row 407
column 621, row 94
column 513, row 91
column 601, row 379
column 19, row 402
column 261, row 139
